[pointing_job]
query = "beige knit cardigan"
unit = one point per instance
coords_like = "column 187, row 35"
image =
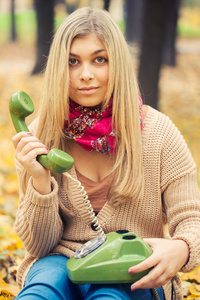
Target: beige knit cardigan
column 59, row 222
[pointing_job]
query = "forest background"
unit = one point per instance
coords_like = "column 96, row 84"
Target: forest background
column 179, row 98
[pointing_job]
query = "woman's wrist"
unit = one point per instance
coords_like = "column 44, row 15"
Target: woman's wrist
column 184, row 249
column 42, row 184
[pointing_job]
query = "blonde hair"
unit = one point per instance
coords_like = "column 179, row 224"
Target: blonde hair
column 127, row 180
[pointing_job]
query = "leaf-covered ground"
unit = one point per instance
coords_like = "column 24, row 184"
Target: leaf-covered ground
column 179, row 99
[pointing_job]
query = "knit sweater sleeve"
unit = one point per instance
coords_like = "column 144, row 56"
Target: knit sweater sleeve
column 38, row 223
column 181, row 197
column 182, row 204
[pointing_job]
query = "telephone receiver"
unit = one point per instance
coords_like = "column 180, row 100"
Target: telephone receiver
column 21, row 106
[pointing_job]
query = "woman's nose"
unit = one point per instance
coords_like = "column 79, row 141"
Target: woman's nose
column 86, row 73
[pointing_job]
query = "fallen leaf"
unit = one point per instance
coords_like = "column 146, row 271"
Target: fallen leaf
column 8, row 289
column 195, row 290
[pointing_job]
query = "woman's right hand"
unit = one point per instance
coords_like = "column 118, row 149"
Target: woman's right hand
column 28, row 147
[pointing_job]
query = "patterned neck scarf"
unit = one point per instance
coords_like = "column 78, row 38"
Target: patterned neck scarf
column 92, row 127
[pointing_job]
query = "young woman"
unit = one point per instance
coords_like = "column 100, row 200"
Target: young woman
column 133, row 162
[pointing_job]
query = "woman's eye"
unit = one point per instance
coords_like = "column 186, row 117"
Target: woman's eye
column 100, row 60
column 73, row 61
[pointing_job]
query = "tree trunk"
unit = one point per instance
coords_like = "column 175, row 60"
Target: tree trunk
column 169, row 46
column 155, row 18
column 45, row 30
column 106, row 4
column 134, row 20
column 13, row 28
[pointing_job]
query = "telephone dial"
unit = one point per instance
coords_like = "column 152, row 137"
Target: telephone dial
column 106, row 258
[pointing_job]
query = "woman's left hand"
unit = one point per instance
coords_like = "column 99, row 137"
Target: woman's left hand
column 168, row 257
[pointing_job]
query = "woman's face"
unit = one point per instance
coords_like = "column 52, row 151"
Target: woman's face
column 88, row 70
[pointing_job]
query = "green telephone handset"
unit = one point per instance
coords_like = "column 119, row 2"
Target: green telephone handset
column 20, row 106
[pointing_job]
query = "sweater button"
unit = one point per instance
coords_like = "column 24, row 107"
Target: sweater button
column 94, row 227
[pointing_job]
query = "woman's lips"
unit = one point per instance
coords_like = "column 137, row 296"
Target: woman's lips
column 88, row 90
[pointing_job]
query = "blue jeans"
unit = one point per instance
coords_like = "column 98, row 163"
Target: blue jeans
column 47, row 279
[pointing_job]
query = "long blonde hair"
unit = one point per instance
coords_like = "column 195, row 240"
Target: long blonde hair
column 127, row 180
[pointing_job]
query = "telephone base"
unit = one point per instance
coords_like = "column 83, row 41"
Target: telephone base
column 110, row 262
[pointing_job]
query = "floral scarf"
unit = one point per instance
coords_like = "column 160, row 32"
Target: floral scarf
column 92, row 127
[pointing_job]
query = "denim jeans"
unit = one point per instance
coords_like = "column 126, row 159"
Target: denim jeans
column 47, row 279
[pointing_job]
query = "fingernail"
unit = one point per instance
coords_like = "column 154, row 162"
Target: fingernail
column 133, row 288
column 130, row 272
column 29, row 133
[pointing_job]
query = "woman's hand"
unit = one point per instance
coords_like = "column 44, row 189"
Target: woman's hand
column 28, row 147
column 168, row 257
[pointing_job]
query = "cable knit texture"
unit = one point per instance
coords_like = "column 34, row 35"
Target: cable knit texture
column 59, row 223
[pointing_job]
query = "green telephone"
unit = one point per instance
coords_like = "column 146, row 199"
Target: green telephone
column 106, row 258
column 109, row 260
column 20, row 106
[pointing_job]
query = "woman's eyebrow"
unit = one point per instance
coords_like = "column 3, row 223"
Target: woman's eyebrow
column 73, row 54
column 95, row 52
column 98, row 51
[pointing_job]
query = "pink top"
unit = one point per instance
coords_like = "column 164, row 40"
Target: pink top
column 96, row 191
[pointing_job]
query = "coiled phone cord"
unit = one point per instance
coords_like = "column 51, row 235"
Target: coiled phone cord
column 155, row 294
column 173, row 290
column 88, row 205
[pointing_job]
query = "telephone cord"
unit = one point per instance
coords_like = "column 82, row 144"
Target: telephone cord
column 88, row 205
column 155, row 294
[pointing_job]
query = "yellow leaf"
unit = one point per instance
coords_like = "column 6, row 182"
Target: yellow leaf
column 8, row 289
column 5, row 293
column 195, row 289
column 19, row 244
column 192, row 276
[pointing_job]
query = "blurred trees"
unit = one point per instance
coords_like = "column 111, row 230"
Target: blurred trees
column 153, row 44
column 13, row 28
column 152, row 25
column 169, row 43
column 106, row 4
column 134, row 20
column 45, row 29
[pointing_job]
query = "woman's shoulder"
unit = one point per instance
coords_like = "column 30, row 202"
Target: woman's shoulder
column 160, row 130
column 150, row 113
column 163, row 142
column 156, row 121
